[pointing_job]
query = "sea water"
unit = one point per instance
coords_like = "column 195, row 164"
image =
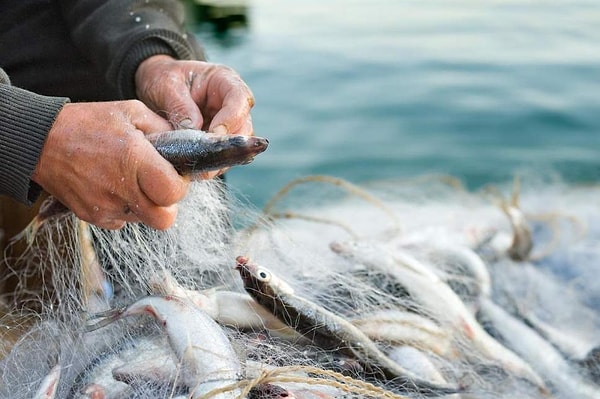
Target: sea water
column 377, row 89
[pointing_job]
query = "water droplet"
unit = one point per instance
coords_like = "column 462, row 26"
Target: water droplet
column 138, row 19
column 122, row 179
column 147, row 26
column 96, row 209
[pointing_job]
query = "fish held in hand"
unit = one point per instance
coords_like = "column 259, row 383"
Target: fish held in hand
column 193, row 151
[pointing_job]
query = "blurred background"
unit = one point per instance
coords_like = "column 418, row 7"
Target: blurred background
column 383, row 89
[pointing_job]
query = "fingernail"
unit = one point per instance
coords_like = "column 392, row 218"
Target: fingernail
column 221, row 129
column 185, row 124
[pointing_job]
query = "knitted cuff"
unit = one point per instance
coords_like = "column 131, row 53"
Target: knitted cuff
column 158, row 42
column 25, row 120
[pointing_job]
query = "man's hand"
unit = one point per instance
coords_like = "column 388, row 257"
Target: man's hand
column 196, row 94
column 98, row 163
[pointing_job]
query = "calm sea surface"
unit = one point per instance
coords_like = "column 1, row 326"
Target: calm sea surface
column 378, row 89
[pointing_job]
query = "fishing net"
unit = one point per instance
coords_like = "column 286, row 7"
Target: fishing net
column 421, row 267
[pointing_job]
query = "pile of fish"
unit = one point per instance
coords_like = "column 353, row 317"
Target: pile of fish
column 398, row 290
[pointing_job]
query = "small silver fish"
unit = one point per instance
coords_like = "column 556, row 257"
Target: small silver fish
column 47, row 389
column 522, row 242
column 326, row 329
column 538, row 352
column 204, row 350
column 194, row 151
column 435, row 297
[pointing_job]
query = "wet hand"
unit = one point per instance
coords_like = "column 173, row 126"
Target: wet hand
column 196, row 94
column 98, row 163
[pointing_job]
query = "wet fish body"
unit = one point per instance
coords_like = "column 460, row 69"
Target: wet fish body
column 208, row 360
column 522, row 243
column 326, row 329
column 538, row 352
column 47, row 389
column 566, row 338
column 438, row 299
column 418, row 362
column 399, row 327
column 194, row 151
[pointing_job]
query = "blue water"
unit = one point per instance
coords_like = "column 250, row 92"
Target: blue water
column 377, row 89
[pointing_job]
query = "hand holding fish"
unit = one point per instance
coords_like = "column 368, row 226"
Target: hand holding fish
column 196, row 94
column 98, row 162
column 99, row 159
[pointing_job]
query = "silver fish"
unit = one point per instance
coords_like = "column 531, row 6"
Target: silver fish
column 418, row 361
column 47, row 388
column 399, row 327
column 436, row 298
column 208, row 359
column 538, row 352
column 326, row 329
column 522, row 242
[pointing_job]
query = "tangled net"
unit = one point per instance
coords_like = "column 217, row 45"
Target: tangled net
column 429, row 271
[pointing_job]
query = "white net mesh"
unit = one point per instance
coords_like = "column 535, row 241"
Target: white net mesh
column 420, row 267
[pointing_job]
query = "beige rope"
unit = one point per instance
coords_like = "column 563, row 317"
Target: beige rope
column 332, row 379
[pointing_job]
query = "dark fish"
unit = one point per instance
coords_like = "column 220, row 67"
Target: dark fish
column 591, row 365
column 194, row 151
column 269, row 391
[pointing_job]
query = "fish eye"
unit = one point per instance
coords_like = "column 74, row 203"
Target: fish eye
column 263, row 275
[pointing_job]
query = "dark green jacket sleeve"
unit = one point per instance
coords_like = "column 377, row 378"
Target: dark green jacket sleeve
column 25, row 119
column 117, row 35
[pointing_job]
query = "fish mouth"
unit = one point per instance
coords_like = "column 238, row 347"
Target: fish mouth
column 258, row 144
column 243, row 265
column 241, row 260
column 249, row 147
column 247, row 271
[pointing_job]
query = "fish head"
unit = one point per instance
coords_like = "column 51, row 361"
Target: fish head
column 249, row 147
column 255, row 279
column 260, row 281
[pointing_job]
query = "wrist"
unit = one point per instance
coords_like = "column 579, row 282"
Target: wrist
column 152, row 61
column 148, row 67
column 22, row 142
